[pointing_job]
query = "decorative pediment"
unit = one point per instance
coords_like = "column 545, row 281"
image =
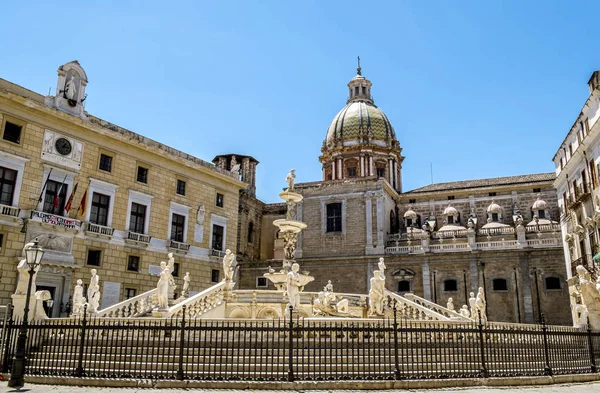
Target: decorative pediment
column 403, row 274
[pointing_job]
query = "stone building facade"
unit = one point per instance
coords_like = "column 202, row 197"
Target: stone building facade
column 577, row 164
column 142, row 199
column 439, row 241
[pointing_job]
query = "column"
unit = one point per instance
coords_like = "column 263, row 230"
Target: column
column 340, row 171
column 371, row 172
column 380, row 224
column 426, row 281
column 391, row 172
column 362, row 165
column 333, row 170
column 395, row 174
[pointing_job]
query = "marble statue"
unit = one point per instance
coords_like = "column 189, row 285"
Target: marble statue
column 472, row 305
column 162, row 288
column 289, row 179
column 450, row 304
column 70, row 89
column 93, row 292
column 171, row 267
column 78, row 299
column 186, row 285
column 228, row 265
column 326, row 304
column 290, row 241
column 291, row 210
column 23, row 280
column 590, row 297
column 377, row 294
column 464, row 311
column 294, row 287
column 381, row 266
column 480, row 304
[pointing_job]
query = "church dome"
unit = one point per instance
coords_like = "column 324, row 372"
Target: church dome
column 360, row 118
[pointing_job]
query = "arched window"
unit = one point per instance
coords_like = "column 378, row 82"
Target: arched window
column 499, row 284
column 250, row 232
column 403, row 286
column 553, row 283
column 450, row 285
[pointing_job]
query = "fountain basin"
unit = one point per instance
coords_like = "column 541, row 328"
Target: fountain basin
column 280, row 279
column 292, row 226
column 290, row 196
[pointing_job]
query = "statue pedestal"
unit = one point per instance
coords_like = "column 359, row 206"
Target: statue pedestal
column 36, row 308
column 160, row 313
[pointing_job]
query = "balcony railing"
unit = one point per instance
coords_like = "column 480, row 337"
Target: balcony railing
column 449, row 234
column 217, row 253
column 138, row 237
column 580, row 194
column 99, row 230
column 11, row 211
column 496, row 231
column 543, row 228
column 179, row 246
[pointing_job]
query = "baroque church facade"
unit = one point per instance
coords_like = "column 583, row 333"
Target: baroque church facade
column 440, row 241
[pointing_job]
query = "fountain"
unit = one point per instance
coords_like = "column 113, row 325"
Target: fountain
column 289, row 228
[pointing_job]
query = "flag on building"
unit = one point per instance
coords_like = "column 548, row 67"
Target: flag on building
column 81, row 210
column 70, row 201
column 57, row 196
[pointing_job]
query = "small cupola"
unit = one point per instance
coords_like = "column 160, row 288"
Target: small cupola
column 452, row 215
column 494, row 212
column 360, row 87
column 411, row 218
column 539, row 208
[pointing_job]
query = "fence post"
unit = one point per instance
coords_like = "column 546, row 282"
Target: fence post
column 396, row 362
column 79, row 370
column 7, row 341
column 291, row 346
column 591, row 347
column 484, row 371
column 547, row 368
column 181, row 346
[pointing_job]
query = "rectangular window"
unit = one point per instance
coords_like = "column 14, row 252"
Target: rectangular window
column 137, row 218
column 593, row 174
column 450, row 197
column 334, row 217
column 52, row 204
column 142, row 175
column 1, row 241
column 94, row 257
column 351, row 172
column 181, row 187
column 587, row 126
column 214, row 275
column 177, row 227
column 8, row 178
column 219, row 200
column 217, row 237
column 380, row 172
column 99, row 210
column 492, row 194
column 12, row 132
column 412, row 201
column 129, row 293
column 537, row 190
column 105, row 163
column 495, row 217
column 261, row 282
column 541, row 214
column 450, row 285
column 450, row 219
column 133, row 263
column 175, row 269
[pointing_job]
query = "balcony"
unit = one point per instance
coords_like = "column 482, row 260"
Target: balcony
column 10, row 211
column 179, row 246
column 586, row 262
column 138, row 238
column 98, row 230
column 496, row 231
column 55, row 221
column 582, row 192
column 217, row 253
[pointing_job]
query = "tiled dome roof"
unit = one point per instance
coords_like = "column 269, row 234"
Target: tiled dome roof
column 360, row 117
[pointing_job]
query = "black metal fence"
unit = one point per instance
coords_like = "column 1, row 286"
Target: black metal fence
column 297, row 349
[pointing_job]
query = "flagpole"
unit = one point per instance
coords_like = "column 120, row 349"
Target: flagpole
column 57, row 196
column 43, row 188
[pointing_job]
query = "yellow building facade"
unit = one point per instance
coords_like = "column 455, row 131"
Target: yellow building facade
column 133, row 199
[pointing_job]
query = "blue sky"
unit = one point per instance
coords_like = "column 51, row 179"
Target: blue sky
column 475, row 89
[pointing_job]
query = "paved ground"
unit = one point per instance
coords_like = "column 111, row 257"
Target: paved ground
column 566, row 388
